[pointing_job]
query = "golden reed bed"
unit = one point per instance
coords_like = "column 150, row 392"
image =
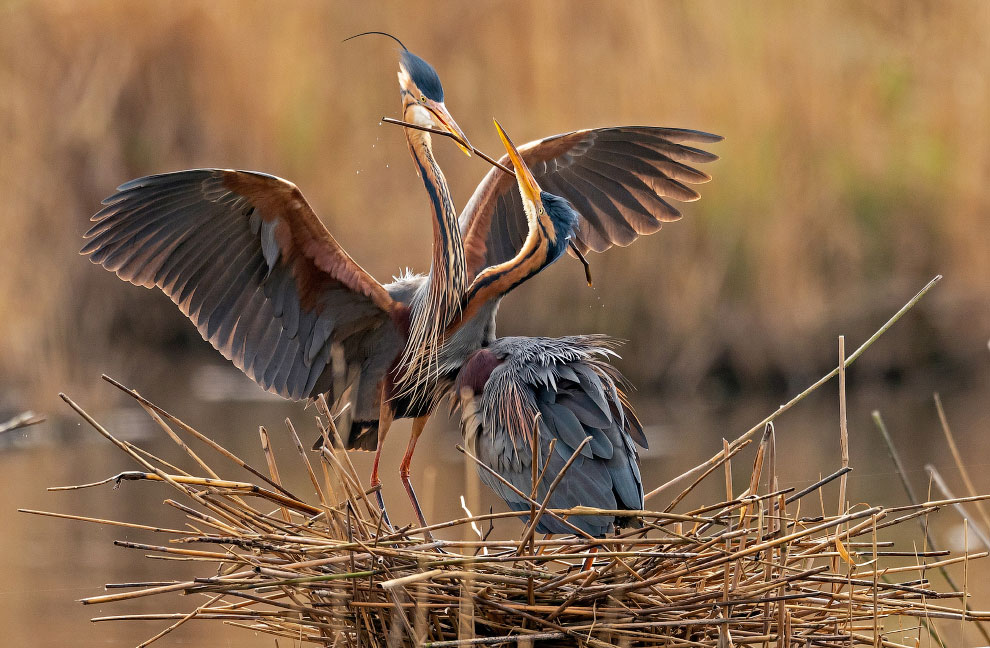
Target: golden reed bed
column 751, row 570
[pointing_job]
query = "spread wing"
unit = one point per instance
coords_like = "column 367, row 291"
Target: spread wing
column 244, row 256
column 569, row 382
column 619, row 179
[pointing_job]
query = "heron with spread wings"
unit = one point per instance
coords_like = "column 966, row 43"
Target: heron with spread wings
column 245, row 257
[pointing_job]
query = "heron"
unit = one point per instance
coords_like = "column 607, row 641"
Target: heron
column 563, row 391
column 246, row 258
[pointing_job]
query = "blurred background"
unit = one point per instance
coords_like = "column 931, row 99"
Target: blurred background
column 855, row 168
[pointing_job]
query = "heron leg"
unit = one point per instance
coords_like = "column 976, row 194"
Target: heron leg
column 385, row 417
column 417, row 429
column 590, row 560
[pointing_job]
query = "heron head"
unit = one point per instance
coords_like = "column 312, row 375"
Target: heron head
column 564, row 218
column 555, row 216
column 422, row 98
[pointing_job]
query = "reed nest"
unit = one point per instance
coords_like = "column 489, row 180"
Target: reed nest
column 766, row 566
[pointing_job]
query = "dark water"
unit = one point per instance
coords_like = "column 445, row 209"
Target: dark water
column 48, row 564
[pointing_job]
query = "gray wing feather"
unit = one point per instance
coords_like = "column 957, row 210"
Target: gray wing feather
column 619, row 179
column 559, row 421
column 219, row 259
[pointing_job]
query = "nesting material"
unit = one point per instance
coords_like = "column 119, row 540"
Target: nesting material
column 767, row 566
column 754, row 569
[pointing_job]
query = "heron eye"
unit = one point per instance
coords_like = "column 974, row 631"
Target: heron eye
column 422, row 99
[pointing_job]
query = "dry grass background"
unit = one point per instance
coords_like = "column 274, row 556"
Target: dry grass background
column 854, row 168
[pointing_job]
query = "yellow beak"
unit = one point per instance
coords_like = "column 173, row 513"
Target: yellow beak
column 443, row 116
column 528, row 187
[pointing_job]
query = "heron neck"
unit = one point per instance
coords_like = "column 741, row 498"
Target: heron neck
column 496, row 281
column 448, row 265
column 447, row 280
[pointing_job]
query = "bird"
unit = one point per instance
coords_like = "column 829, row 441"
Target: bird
column 562, row 390
column 246, row 258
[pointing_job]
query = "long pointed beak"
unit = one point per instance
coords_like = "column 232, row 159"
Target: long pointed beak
column 442, row 114
column 528, row 186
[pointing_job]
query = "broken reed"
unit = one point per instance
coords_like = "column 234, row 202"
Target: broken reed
column 327, row 570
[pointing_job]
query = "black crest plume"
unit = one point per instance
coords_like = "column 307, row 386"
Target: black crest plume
column 421, row 72
column 380, row 33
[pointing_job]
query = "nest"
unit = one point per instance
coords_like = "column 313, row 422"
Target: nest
column 752, row 569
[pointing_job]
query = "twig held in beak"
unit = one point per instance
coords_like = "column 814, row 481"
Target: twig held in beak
column 437, row 131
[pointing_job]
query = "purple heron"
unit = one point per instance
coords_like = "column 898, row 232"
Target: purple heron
column 245, row 257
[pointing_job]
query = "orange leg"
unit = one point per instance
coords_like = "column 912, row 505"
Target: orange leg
column 417, row 429
column 385, row 416
column 590, row 560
